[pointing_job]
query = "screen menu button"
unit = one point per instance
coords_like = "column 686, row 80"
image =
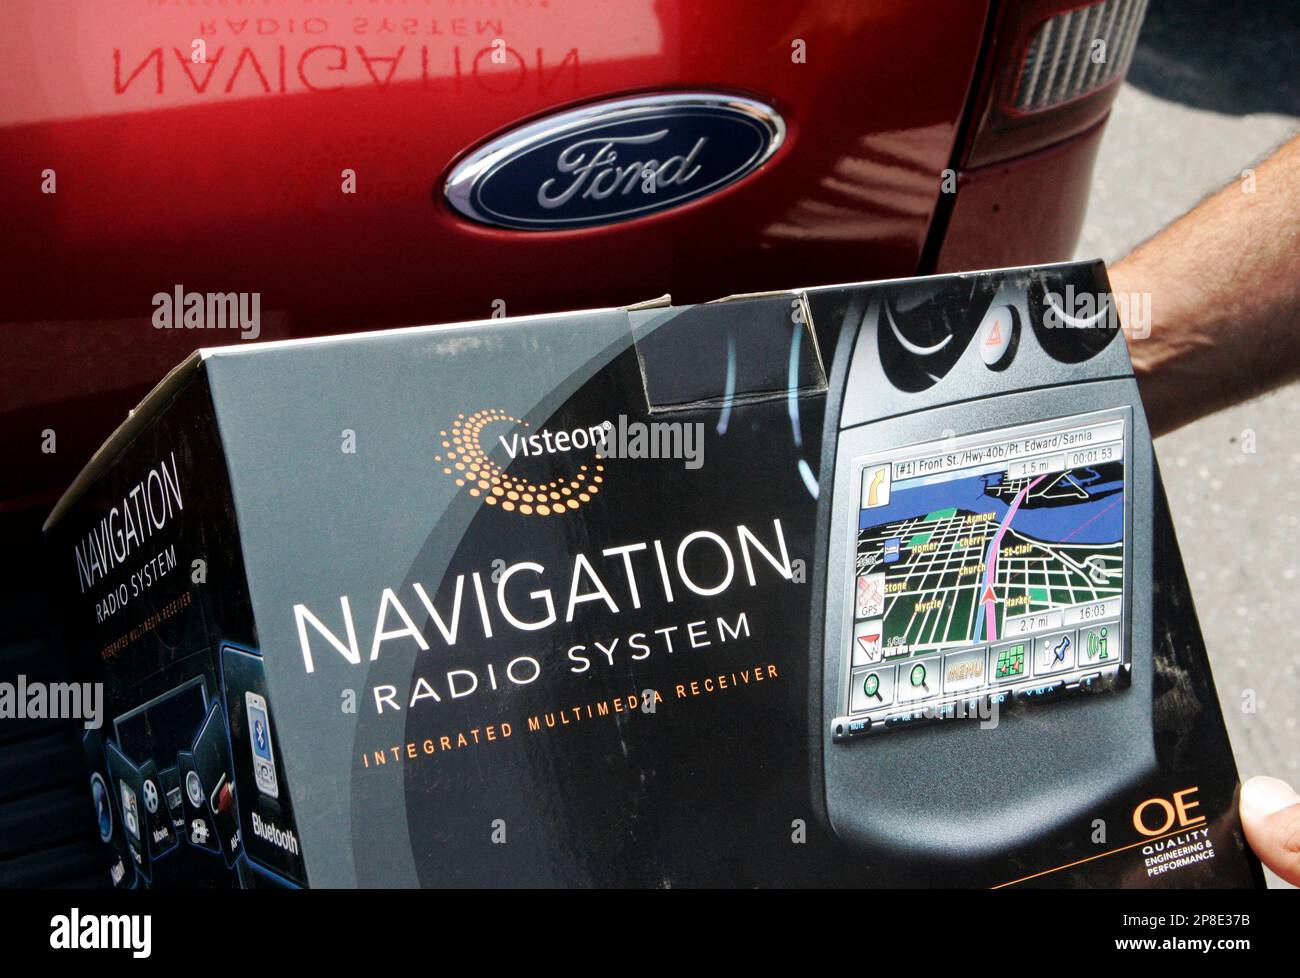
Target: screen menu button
column 873, row 688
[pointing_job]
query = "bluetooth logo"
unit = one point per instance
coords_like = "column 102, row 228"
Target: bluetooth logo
column 259, row 734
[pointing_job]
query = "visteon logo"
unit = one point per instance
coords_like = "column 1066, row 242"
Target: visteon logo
column 465, row 460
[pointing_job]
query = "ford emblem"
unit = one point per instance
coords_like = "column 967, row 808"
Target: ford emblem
column 613, row 161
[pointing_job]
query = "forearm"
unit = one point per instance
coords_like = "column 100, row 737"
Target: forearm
column 1224, row 288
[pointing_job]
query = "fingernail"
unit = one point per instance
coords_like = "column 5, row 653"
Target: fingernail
column 1262, row 796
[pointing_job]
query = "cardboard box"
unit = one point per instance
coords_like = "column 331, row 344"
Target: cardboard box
column 597, row 599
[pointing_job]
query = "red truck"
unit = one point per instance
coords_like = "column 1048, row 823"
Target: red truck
column 356, row 165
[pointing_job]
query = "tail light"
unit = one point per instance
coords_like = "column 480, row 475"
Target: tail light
column 1053, row 68
column 1059, row 64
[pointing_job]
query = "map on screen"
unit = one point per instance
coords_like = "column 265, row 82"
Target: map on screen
column 988, row 560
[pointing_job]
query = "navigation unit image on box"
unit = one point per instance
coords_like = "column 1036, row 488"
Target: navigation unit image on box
column 986, row 565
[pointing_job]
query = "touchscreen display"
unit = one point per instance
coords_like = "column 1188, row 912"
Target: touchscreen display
column 166, row 724
column 989, row 563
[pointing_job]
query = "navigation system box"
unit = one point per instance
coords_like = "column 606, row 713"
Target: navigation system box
column 870, row 584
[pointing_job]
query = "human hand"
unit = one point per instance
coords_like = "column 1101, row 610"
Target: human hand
column 1270, row 814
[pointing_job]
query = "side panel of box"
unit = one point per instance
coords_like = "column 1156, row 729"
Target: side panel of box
column 156, row 613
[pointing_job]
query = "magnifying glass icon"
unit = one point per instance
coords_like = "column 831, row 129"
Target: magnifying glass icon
column 871, row 686
column 917, row 677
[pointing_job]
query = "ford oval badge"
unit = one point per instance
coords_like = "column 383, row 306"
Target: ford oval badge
column 612, row 161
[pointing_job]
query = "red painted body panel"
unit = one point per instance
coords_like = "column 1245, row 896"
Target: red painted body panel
column 1022, row 211
column 226, row 175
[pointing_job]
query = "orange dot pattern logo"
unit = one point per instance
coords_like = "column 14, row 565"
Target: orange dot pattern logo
column 464, row 459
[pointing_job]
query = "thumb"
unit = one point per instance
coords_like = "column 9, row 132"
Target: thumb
column 1270, row 814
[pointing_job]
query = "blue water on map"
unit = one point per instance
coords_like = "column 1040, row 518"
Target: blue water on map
column 1098, row 520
